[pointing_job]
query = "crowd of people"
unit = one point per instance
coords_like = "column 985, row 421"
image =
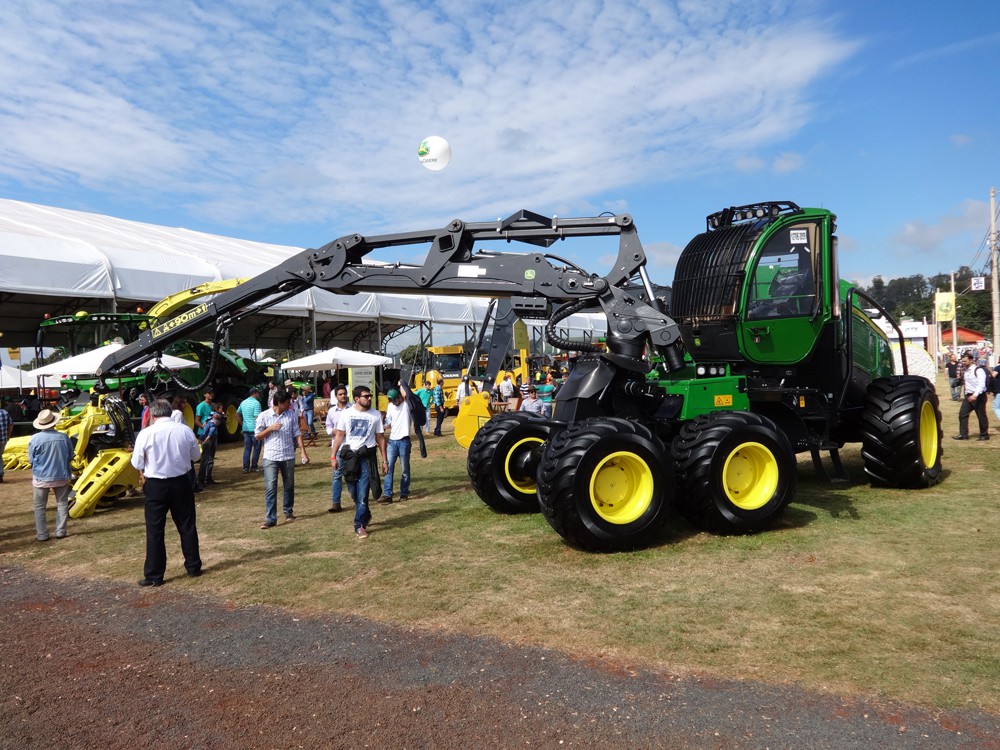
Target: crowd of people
column 175, row 461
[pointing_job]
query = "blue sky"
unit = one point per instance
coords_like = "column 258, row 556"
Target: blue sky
column 298, row 122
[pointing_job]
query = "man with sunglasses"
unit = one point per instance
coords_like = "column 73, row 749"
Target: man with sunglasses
column 360, row 428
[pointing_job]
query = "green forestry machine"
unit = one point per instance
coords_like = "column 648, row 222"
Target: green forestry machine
column 701, row 404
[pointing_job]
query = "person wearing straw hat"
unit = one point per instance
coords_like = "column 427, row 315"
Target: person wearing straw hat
column 50, row 453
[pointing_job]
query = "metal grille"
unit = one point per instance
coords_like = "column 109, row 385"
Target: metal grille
column 710, row 273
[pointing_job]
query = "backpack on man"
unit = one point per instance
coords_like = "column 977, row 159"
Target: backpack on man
column 992, row 382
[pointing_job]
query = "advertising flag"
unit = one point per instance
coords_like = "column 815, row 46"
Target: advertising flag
column 945, row 304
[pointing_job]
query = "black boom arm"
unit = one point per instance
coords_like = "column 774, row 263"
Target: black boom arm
column 532, row 281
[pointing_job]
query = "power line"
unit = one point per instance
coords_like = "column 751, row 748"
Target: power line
column 984, row 245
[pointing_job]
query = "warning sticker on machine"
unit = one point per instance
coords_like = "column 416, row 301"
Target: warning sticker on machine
column 798, row 236
column 724, row 400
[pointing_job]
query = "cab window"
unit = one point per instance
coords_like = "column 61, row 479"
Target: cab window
column 783, row 284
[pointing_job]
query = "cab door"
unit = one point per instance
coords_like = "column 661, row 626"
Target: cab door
column 783, row 301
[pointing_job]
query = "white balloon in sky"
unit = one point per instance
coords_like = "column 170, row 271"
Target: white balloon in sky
column 434, row 153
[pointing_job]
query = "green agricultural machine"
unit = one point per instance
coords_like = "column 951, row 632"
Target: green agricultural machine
column 231, row 374
column 700, row 404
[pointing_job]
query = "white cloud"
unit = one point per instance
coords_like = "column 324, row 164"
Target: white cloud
column 956, row 238
column 948, row 50
column 748, row 163
column 788, row 162
column 251, row 112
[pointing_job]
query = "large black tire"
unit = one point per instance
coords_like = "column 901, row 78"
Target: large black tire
column 503, row 458
column 605, row 484
column 901, row 433
column 736, row 471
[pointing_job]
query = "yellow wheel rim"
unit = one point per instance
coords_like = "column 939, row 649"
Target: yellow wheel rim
column 621, row 487
column 232, row 419
column 750, row 476
column 928, row 435
column 519, row 483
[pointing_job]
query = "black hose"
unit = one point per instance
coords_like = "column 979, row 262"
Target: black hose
column 120, row 417
column 210, row 370
column 563, row 312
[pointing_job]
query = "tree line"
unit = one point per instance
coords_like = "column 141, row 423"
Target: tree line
column 912, row 297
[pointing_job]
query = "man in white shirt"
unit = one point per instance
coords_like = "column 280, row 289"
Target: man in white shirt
column 278, row 430
column 163, row 454
column 507, row 388
column 337, row 408
column 465, row 388
column 399, row 420
column 360, row 429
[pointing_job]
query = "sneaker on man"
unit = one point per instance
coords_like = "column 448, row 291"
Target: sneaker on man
column 362, row 533
column 384, row 499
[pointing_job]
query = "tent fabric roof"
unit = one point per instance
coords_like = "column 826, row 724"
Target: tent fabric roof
column 335, row 357
column 57, row 260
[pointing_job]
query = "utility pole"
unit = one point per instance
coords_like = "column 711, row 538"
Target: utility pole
column 954, row 319
column 995, row 285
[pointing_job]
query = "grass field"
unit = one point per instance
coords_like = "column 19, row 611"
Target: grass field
column 862, row 591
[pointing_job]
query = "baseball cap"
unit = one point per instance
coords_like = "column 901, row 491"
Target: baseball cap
column 393, row 394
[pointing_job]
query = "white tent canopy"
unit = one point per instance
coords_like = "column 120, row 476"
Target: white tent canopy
column 12, row 377
column 88, row 362
column 57, row 260
column 336, row 357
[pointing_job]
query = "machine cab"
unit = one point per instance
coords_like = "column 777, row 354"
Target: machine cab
column 784, row 301
column 754, row 287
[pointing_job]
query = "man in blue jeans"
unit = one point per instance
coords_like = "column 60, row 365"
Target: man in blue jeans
column 399, row 420
column 438, row 395
column 360, row 429
column 337, row 407
column 278, row 430
column 249, row 409
column 309, row 408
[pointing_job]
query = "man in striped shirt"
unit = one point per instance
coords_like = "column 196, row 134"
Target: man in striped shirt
column 278, row 431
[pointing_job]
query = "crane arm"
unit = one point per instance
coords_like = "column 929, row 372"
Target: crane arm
column 532, row 281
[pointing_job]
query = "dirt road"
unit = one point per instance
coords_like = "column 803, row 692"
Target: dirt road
column 95, row 664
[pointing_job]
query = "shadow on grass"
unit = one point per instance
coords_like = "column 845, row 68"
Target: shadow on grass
column 21, row 536
column 291, row 546
column 381, row 521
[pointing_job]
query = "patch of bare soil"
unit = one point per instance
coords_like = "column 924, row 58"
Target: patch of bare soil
column 94, row 664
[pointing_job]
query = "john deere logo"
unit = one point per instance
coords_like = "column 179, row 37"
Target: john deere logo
column 423, row 149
